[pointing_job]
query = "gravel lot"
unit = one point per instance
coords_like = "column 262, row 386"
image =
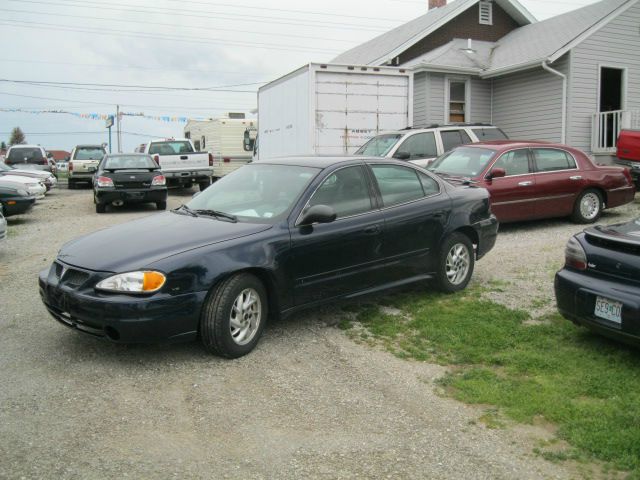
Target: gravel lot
column 307, row 403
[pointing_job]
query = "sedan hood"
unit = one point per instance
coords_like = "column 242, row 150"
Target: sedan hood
column 19, row 179
column 139, row 243
column 626, row 233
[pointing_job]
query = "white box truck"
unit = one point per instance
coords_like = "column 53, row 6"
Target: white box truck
column 229, row 139
column 331, row 109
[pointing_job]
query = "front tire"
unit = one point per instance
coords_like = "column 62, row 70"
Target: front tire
column 161, row 205
column 456, row 263
column 234, row 316
column 101, row 208
column 588, row 207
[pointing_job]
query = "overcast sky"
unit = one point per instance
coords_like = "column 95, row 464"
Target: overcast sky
column 229, row 44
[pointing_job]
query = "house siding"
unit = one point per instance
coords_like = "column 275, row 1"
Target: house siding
column 480, row 100
column 528, row 104
column 615, row 45
column 420, row 90
column 465, row 25
column 435, row 98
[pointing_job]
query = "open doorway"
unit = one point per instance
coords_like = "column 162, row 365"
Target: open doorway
column 611, row 89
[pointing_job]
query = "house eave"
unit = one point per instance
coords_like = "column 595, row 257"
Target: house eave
column 512, row 68
column 445, row 69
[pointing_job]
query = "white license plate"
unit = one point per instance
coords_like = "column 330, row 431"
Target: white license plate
column 608, row 309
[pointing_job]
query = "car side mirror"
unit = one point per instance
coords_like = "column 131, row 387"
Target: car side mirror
column 497, row 173
column 318, row 214
column 402, row 155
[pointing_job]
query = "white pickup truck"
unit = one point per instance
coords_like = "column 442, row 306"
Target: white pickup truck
column 180, row 163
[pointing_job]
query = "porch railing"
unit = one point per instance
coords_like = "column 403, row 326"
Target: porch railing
column 606, row 127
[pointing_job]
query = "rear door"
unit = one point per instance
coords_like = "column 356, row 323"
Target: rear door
column 558, row 181
column 513, row 197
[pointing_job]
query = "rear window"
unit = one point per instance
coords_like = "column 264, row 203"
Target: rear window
column 89, row 153
column 129, row 162
column 170, row 148
column 488, row 134
column 379, row 146
column 25, row 155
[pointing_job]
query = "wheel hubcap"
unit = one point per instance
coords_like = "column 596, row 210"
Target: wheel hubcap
column 590, row 206
column 245, row 317
column 458, row 262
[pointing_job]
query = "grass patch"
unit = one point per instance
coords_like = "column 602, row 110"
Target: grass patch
column 587, row 386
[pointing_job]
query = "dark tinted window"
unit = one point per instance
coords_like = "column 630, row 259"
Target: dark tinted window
column 170, row 148
column 487, row 134
column 452, row 138
column 123, row 162
column 515, row 162
column 420, row 145
column 397, row 184
column 346, row 191
column 25, row 155
column 550, row 159
column 89, row 153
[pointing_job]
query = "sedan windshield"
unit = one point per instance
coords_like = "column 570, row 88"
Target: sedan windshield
column 463, row 161
column 255, row 193
column 379, row 146
column 129, row 162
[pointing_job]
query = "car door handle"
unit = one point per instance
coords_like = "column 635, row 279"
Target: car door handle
column 372, row 230
column 183, row 157
column 525, row 184
column 575, row 177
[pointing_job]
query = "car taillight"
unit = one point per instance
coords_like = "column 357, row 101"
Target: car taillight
column 627, row 174
column 211, row 159
column 574, row 255
column 70, row 166
column 159, row 180
column 157, row 159
column 104, row 182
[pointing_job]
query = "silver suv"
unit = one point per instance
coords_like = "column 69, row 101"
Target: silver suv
column 422, row 145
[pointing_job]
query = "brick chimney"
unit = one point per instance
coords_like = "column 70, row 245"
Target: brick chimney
column 437, row 3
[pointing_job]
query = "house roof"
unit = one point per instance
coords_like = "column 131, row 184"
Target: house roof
column 382, row 48
column 525, row 47
column 552, row 38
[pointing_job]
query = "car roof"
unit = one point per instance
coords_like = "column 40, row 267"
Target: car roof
column 90, row 146
column 25, row 145
column 131, row 154
column 509, row 144
column 325, row 161
column 446, row 126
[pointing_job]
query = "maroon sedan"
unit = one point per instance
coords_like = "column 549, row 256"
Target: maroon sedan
column 532, row 180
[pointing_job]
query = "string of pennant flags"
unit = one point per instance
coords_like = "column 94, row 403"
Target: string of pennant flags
column 101, row 116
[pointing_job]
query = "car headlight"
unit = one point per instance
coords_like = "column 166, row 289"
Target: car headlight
column 133, row 282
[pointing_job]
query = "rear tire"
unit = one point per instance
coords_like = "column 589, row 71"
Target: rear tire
column 101, row 208
column 588, row 207
column 234, row 315
column 71, row 185
column 161, row 205
column 456, row 262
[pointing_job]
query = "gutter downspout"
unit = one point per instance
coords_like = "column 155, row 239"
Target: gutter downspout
column 545, row 66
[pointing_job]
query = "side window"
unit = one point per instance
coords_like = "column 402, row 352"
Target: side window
column 551, row 159
column 346, row 191
column 397, row 184
column 454, row 138
column 196, row 145
column 420, row 145
column 429, row 185
column 515, row 162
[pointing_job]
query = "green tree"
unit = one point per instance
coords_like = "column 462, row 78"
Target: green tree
column 17, row 137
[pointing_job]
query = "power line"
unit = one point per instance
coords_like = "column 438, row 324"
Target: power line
column 198, row 14
column 184, row 39
column 194, row 27
column 101, row 132
column 216, row 88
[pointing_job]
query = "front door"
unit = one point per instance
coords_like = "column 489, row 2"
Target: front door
column 344, row 256
column 513, row 197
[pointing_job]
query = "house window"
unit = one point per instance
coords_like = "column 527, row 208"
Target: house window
column 203, row 142
column 457, row 104
column 486, row 12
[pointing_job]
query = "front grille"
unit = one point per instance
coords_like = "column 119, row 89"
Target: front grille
column 74, row 277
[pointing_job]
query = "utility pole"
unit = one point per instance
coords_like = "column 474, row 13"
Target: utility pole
column 118, row 136
column 109, row 124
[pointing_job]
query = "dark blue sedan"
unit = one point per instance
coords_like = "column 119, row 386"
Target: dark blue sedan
column 269, row 239
column 599, row 286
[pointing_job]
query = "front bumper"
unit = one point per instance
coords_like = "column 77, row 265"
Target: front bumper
column 120, row 318
column 576, row 294
column 17, row 205
column 154, row 195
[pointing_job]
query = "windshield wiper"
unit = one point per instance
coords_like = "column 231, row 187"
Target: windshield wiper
column 218, row 214
column 184, row 208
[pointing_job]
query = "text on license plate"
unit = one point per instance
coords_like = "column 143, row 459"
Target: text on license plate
column 608, row 309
